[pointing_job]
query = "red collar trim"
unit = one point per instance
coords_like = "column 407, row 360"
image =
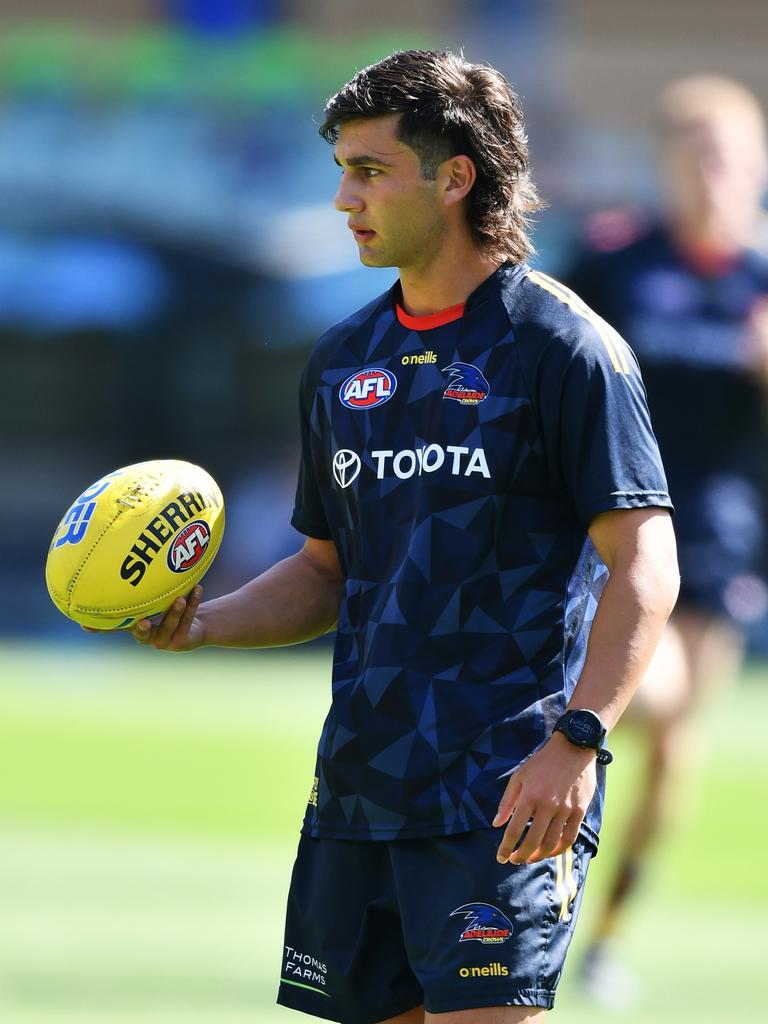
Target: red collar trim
column 426, row 323
column 709, row 262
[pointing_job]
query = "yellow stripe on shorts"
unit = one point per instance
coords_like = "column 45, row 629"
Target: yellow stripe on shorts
column 569, row 874
column 565, row 881
column 562, row 892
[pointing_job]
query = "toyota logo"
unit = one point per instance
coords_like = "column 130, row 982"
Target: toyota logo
column 346, row 466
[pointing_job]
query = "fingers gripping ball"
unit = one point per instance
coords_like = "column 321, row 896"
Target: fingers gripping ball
column 134, row 541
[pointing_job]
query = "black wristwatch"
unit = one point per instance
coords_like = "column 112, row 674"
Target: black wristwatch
column 583, row 728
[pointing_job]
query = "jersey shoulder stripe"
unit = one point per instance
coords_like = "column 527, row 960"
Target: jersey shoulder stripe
column 613, row 343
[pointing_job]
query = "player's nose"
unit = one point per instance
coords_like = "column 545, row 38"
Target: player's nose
column 347, row 199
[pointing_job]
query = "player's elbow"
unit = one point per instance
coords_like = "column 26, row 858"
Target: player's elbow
column 666, row 588
column 639, row 548
column 656, row 572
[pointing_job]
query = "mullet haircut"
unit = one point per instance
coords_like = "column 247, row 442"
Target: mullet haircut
column 449, row 107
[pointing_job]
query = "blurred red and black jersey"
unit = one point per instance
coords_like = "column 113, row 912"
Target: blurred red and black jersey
column 457, row 460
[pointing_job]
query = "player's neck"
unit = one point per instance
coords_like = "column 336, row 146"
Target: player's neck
column 447, row 280
column 713, row 238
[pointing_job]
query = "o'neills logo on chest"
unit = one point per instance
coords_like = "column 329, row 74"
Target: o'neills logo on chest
column 420, row 359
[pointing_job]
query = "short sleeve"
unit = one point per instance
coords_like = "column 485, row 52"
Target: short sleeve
column 600, row 443
column 308, row 512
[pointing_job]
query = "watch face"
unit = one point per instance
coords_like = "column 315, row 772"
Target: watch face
column 585, row 728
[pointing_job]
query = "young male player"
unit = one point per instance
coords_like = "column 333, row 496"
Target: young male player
column 691, row 294
column 476, row 452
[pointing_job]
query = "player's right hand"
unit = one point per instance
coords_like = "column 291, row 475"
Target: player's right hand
column 179, row 629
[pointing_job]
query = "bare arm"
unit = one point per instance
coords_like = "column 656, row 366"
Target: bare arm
column 296, row 600
column 758, row 340
column 639, row 549
column 553, row 788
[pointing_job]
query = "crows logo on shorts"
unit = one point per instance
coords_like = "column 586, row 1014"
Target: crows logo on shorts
column 485, row 923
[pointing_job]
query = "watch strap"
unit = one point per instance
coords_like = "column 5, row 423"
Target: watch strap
column 604, row 756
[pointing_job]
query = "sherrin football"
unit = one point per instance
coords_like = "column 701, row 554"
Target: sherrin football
column 133, row 541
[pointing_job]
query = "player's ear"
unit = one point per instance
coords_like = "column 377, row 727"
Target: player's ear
column 455, row 177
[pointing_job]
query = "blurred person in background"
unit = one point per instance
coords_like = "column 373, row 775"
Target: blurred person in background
column 691, row 297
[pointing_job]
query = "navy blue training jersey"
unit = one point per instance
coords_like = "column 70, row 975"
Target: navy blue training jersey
column 456, row 461
column 691, row 331
column 691, row 327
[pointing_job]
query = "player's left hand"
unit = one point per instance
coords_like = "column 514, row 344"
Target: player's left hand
column 545, row 802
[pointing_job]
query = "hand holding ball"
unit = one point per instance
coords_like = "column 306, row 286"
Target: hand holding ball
column 133, row 542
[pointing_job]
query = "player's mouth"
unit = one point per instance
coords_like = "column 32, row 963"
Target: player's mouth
column 361, row 234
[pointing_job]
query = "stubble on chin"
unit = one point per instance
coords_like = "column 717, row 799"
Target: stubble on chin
column 373, row 259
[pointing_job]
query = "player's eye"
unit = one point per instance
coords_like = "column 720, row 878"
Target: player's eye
column 365, row 172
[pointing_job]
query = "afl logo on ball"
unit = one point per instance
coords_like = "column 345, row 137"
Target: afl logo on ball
column 189, row 546
column 368, row 388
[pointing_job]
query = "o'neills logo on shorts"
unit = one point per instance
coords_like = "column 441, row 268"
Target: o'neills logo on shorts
column 491, row 971
column 485, row 923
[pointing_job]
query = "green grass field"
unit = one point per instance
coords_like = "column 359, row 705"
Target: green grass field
column 149, row 810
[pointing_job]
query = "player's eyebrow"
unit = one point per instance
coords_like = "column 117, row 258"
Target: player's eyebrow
column 363, row 161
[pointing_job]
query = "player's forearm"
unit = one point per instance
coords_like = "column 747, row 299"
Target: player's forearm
column 294, row 601
column 633, row 609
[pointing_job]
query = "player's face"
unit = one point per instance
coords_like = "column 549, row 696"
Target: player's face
column 716, row 171
column 395, row 215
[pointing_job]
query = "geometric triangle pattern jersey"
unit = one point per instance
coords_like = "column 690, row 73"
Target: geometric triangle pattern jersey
column 456, row 462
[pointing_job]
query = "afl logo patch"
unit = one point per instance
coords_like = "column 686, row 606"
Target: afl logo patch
column 189, row 546
column 368, row 388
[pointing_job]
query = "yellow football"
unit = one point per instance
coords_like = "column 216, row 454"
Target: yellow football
column 133, row 541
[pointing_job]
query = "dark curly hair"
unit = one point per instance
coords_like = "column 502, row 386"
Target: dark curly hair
column 448, row 107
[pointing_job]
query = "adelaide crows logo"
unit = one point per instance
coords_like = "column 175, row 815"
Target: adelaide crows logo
column 485, row 924
column 466, row 384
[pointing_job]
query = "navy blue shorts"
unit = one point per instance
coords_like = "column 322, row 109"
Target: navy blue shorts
column 376, row 928
column 719, row 522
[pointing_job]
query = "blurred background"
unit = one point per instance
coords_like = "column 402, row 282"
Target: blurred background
column 168, row 254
